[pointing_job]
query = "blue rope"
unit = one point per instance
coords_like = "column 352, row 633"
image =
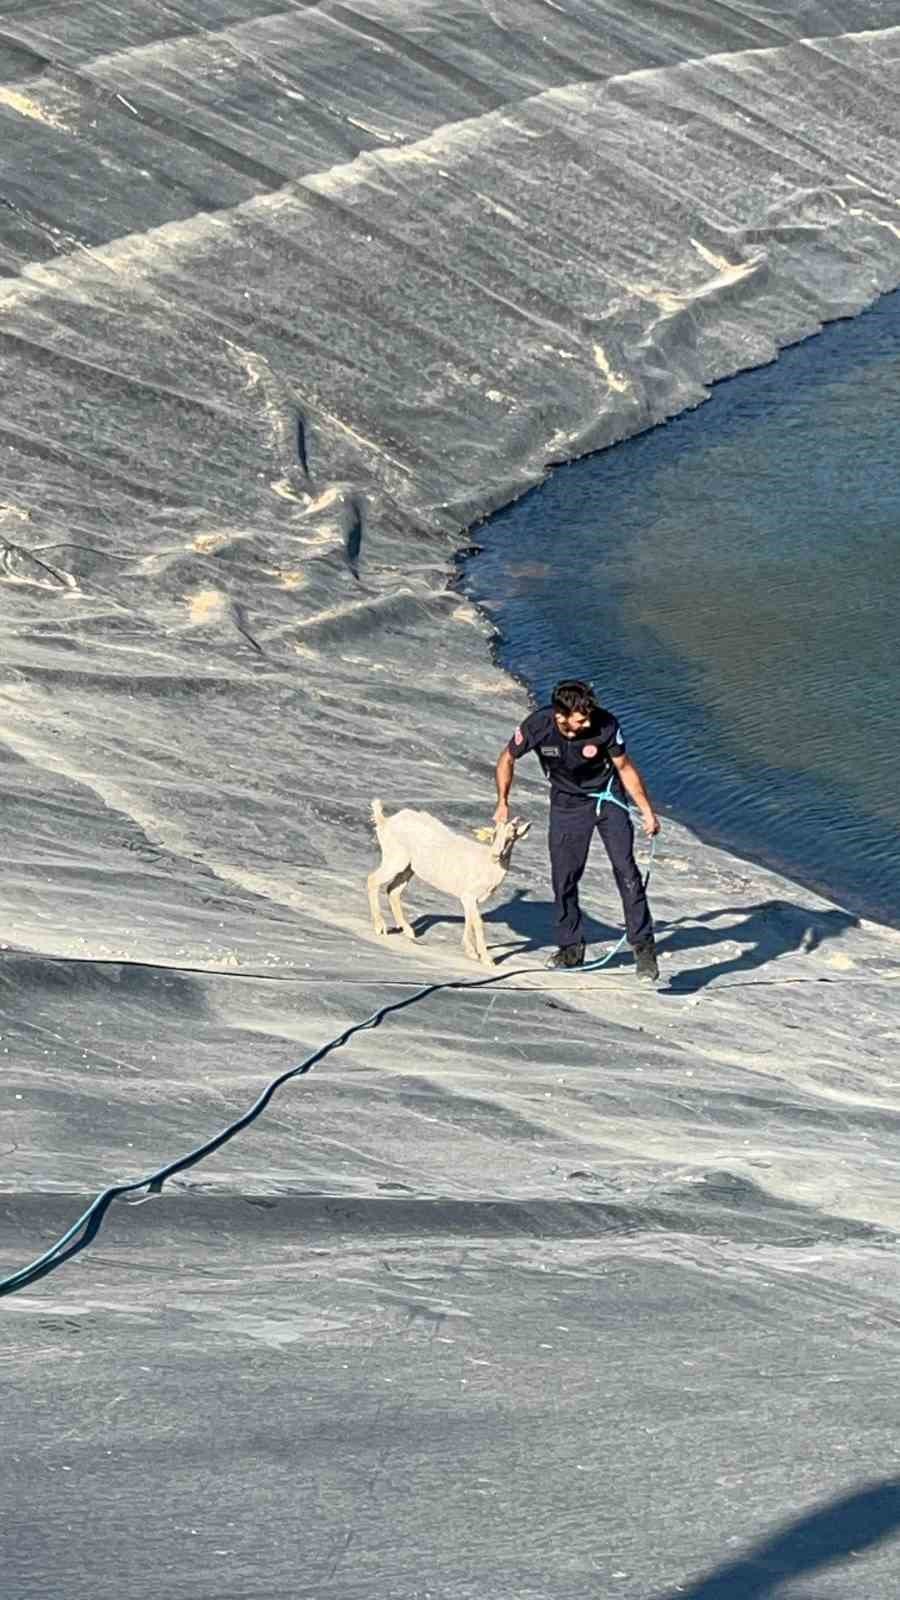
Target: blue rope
column 86, row 1227
column 600, row 796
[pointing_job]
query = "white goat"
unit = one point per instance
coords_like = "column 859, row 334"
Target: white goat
column 414, row 844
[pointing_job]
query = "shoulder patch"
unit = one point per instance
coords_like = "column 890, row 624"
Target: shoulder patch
column 519, row 736
column 620, row 737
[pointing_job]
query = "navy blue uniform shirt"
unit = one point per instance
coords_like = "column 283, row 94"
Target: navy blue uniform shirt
column 574, row 766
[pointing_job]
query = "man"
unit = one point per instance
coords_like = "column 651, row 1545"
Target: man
column 581, row 748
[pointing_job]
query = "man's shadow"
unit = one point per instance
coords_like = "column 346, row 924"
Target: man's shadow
column 839, row 1531
column 766, row 931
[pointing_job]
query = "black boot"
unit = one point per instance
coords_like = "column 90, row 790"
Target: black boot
column 646, row 965
column 571, row 955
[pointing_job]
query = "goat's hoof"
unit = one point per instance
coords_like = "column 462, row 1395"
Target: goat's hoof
column 381, row 933
column 410, row 933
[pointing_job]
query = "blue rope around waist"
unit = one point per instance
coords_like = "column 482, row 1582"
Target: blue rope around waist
column 613, row 799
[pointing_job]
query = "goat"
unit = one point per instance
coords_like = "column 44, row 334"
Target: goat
column 414, row 844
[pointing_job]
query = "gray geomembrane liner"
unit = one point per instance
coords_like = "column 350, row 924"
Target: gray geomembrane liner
column 560, row 1288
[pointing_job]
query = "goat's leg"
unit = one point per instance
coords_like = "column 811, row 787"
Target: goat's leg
column 373, row 883
column 392, row 867
column 395, row 891
column 473, row 939
column 467, row 944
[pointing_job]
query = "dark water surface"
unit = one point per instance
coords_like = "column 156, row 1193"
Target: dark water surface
column 731, row 584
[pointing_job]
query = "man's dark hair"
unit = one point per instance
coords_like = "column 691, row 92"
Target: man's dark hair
column 574, row 695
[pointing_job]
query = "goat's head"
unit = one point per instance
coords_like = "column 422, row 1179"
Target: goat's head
column 505, row 836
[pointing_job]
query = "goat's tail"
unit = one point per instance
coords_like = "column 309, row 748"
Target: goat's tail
column 378, row 816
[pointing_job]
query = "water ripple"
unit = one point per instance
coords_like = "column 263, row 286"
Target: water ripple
column 731, row 582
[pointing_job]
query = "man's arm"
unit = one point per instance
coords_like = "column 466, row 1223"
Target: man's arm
column 526, row 737
column 503, row 773
column 633, row 784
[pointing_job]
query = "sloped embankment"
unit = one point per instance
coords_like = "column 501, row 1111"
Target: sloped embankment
column 564, row 1277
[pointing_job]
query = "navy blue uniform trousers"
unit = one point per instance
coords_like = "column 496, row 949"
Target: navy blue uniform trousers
column 571, row 831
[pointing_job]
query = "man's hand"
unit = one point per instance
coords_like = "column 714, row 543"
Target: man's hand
column 651, row 823
column 501, row 814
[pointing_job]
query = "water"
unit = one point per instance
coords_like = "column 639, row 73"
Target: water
column 731, row 584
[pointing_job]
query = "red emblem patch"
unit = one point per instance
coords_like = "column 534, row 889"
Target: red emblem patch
column 589, row 752
column 519, row 736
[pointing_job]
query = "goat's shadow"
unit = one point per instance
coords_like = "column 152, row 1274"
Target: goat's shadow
column 765, row 931
column 528, row 920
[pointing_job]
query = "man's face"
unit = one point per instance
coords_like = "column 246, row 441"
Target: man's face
column 571, row 723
